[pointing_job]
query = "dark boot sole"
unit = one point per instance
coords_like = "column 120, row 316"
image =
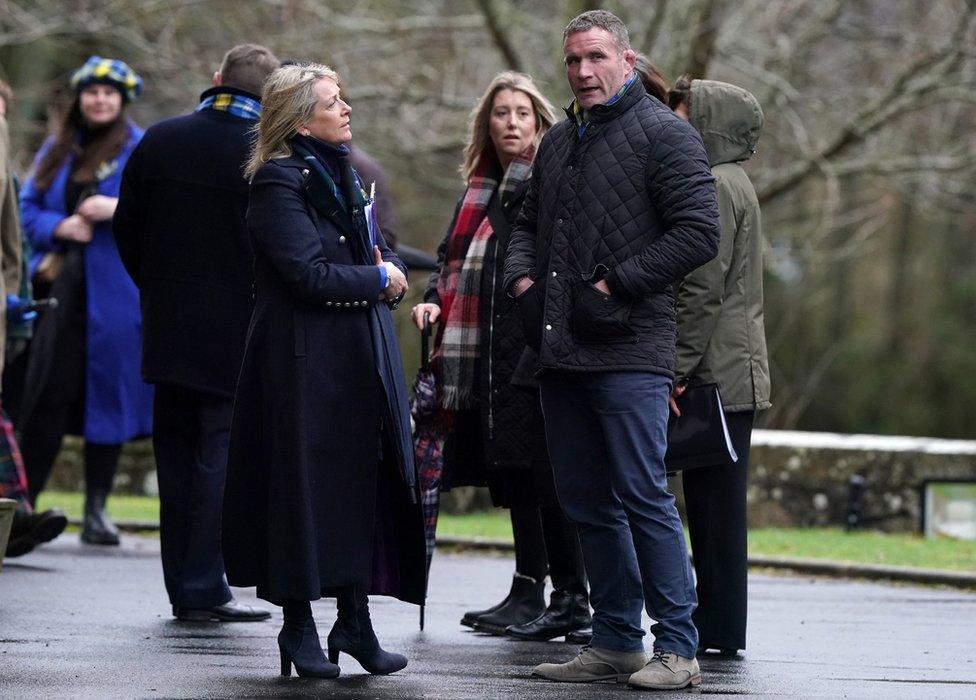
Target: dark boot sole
column 545, row 635
column 19, row 547
column 100, row 540
column 208, row 616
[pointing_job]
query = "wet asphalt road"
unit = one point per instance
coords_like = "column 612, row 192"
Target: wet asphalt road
column 78, row 621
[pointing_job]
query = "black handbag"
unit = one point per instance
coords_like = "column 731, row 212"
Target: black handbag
column 699, row 437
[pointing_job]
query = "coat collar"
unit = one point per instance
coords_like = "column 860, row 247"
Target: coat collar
column 319, row 195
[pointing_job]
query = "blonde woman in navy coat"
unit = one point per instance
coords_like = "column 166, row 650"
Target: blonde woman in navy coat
column 321, row 496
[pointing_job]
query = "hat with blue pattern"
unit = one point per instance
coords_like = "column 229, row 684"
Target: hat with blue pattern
column 108, row 71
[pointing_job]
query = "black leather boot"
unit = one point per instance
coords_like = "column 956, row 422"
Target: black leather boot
column 353, row 634
column 525, row 603
column 31, row 529
column 583, row 637
column 299, row 644
column 471, row 617
column 567, row 612
column 97, row 527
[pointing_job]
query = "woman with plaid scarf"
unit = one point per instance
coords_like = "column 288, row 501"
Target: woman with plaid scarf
column 496, row 437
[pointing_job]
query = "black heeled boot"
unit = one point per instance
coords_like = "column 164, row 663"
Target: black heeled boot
column 525, row 603
column 299, row 644
column 353, row 634
column 97, row 528
column 567, row 612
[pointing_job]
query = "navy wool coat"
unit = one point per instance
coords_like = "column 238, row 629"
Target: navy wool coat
column 192, row 262
column 309, row 504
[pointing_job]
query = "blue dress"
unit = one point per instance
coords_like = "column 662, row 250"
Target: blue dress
column 118, row 404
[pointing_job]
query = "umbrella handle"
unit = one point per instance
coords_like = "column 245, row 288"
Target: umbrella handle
column 425, row 344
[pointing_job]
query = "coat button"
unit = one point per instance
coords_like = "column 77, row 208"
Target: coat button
column 559, row 221
column 304, row 172
column 347, row 304
column 328, row 303
column 548, row 326
column 553, row 273
column 342, row 240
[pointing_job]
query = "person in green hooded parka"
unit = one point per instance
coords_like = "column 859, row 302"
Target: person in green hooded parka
column 721, row 339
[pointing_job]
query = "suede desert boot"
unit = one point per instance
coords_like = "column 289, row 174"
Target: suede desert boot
column 594, row 665
column 667, row 671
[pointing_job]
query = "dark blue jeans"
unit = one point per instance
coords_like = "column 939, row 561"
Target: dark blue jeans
column 607, row 434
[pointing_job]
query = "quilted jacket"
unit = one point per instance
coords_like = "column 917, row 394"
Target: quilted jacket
column 509, row 415
column 632, row 201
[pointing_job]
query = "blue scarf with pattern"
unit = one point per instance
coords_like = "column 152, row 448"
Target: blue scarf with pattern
column 233, row 103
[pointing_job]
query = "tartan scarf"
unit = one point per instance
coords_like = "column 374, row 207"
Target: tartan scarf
column 235, row 104
column 459, row 283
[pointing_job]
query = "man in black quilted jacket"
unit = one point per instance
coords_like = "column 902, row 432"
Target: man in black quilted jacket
column 620, row 208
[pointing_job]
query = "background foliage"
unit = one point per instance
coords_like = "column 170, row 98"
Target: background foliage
column 865, row 170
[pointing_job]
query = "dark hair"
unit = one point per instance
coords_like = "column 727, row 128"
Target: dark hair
column 105, row 144
column 247, row 66
column 680, row 92
column 655, row 84
column 600, row 19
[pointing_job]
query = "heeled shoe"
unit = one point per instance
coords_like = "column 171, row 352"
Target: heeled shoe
column 353, row 634
column 298, row 643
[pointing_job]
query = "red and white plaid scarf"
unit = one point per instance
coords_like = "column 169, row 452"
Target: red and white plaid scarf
column 459, row 284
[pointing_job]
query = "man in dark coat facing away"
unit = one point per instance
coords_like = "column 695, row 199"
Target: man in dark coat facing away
column 181, row 235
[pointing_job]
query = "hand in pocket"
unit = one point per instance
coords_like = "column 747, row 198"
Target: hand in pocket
column 530, row 307
column 599, row 317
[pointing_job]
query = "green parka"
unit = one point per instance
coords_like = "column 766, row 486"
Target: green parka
column 721, row 337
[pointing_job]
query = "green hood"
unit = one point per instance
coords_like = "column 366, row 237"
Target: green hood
column 728, row 118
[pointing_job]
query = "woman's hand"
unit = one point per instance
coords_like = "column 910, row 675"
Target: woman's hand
column 396, row 281
column 417, row 314
column 98, row 207
column 74, row 229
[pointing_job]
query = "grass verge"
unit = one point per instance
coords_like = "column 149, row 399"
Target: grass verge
column 810, row 543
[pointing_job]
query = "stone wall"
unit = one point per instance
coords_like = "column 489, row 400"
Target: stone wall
column 796, row 479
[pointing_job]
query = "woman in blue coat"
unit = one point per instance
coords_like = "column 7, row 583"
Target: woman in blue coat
column 321, row 493
column 83, row 373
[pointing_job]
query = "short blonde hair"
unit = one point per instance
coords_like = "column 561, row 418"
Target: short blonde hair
column 287, row 102
column 478, row 144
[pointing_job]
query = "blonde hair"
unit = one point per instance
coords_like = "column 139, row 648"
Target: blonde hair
column 479, row 144
column 287, row 102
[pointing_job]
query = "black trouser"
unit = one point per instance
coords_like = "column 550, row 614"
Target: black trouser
column 190, row 437
column 546, row 542
column 60, row 409
column 715, row 500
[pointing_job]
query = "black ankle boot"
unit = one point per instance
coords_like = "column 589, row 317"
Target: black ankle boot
column 299, row 644
column 567, row 612
column 97, row 527
column 471, row 617
column 353, row 634
column 525, row 603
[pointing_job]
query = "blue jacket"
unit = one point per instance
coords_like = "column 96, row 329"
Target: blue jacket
column 118, row 404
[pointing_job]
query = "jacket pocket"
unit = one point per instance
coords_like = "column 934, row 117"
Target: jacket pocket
column 601, row 318
column 530, row 308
